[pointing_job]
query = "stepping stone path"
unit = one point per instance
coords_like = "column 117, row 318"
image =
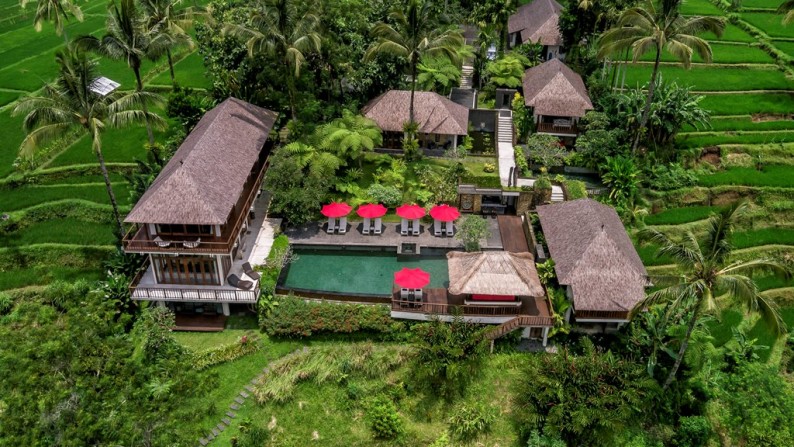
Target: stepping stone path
column 238, row 401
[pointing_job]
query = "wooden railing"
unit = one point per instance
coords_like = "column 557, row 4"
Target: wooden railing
column 137, row 240
column 517, row 322
column 469, row 310
column 551, row 128
column 601, row 315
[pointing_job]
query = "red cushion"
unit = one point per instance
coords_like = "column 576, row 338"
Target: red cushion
column 493, row 297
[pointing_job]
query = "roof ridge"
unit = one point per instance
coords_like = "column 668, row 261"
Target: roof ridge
column 474, row 267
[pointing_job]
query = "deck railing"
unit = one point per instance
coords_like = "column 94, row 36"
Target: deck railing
column 601, row 315
column 469, row 310
column 137, row 240
column 551, row 128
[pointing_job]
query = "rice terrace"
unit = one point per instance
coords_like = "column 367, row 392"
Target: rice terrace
column 539, row 223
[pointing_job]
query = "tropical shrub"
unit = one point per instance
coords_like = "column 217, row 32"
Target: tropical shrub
column 295, row 317
column 622, row 176
column 470, row 230
column 245, row 345
column 489, row 167
column 693, row 431
column 507, row 71
column 575, row 189
column 545, row 150
column 383, row 419
column 387, row 195
column 665, row 177
column 469, row 420
column 521, row 161
column 522, row 119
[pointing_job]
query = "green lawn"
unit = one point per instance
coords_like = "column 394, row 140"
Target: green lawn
column 780, row 176
column 21, row 198
column 724, row 53
column 740, row 137
column 700, row 8
column 60, row 231
column 677, row 216
column 770, row 23
column 748, row 103
column 732, row 33
column 189, row 73
column 713, row 78
column 784, row 46
column 735, row 123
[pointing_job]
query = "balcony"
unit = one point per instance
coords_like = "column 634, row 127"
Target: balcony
column 144, row 287
column 535, row 311
column 558, row 129
column 138, row 240
column 600, row 316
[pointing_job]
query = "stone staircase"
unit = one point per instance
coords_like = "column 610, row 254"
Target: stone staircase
column 504, row 145
column 505, row 127
column 467, row 73
column 557, row 195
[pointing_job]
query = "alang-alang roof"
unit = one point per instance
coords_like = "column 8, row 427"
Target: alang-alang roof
column 434, row 113
column 593, row 254
column 537, row 22
column 553, row 89
column 204, row 179
column 493, row 273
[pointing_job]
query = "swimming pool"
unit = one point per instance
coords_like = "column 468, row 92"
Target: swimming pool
column 357, row 271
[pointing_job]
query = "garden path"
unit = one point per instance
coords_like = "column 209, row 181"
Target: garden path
column 504, row 146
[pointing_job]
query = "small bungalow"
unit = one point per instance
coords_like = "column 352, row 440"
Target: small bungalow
column 557, row 96
column 537, row 22
column 595, row 261
column 442, row 123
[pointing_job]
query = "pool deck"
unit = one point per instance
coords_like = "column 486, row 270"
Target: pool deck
column 314, row 233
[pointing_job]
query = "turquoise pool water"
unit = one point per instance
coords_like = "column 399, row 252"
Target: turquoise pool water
column 359, row 272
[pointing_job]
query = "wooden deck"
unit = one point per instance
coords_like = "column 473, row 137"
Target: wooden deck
column 512, row 230
column 199, row 323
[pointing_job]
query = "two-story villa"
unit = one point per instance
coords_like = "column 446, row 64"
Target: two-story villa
column 199, row 220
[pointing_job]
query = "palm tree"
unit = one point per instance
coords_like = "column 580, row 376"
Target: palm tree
column 277, row 29
column 129, row 38
column 787, row 8
column 709, row 277
column 437, row 73
column 415, row 32
column 69, row 105
column 162, row 17
column 350, row 136
column 656, row 27
column 55, row 11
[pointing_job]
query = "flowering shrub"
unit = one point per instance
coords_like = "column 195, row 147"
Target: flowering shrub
column 296, row 317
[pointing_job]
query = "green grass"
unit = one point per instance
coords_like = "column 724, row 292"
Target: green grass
column 724, row 54
column 199, row 341
column 772, row 282
column 9, row 143
column 648, row 256
column 189, row 72
column 734, row 123
column 20, row 198
column 41, row 275
column 732, row 33
column 7, row 97
column 749, row 103
column 60, row 231
column 777, row 175
column 677, row 216
column 740, row 137
column 770, row 23
column 700, row 8
column 784, row 46
column 713, row 78
column 771, row 4
column 731, row 318
column 721, row 329
column 765, row 236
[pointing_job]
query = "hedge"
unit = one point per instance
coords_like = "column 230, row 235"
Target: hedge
column 483, row 181
column 575, row 189
column 226, row 353
column 295, row 317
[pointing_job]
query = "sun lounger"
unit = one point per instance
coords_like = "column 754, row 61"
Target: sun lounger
column 342, row 225
column 437, row 228
column 365, row 226
column 235, row 281
column 416, row 227
column 378, row 227
column 404, row 227
column 331, row 225
column 450, row 229
column 253, row 274
column 161, row 243
column 191, row 244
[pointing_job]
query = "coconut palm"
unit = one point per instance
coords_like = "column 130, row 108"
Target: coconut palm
column 162, row 17
column 277, row 29
column 657, row 26
column 787, row 8
column 415, row 31
column 129, row 38
column 68, row 105
column 709, row 278
column 350, row 136
column 55, row 11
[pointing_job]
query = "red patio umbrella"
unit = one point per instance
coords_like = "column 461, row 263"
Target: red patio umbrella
column 336, row 209
column 411, row 211
column 444, row 213
column 371, row 210
column 412, row 278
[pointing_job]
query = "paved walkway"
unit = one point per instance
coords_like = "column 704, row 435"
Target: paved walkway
column 504, row 146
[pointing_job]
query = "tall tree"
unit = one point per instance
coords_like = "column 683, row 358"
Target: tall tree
column 706, row 273
column 69, row 105
column 163, row 18
column 415, row 30
column 129, row 38
column 55, row 11
column 279, row 30
column 497, row 13
column 350, row 136
column 657, row 26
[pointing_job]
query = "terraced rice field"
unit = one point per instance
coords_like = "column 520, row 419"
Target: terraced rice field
column 70, row 242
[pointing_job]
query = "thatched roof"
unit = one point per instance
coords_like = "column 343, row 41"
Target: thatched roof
column 434, row 113
column 204, row 179
column 537, row 22
column 593, row 254
column 493, row 273
column 554, row 89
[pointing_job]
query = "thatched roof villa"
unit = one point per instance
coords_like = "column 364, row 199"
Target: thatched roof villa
column 557, row 96
column 537, row 22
